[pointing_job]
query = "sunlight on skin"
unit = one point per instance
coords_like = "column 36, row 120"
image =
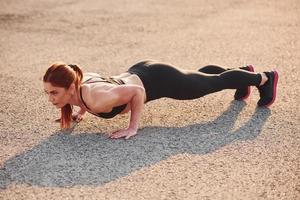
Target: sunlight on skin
column 58, row 96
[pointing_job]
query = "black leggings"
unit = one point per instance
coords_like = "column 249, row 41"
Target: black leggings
column 163, row 80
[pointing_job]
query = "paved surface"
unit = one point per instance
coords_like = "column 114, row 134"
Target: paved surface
column 210, row 148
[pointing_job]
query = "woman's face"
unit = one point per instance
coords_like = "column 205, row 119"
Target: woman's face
column 58, row 96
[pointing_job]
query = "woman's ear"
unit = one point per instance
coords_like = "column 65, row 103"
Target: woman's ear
column 72, row 89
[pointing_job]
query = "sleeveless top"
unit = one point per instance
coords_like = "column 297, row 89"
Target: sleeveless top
column 115, row 110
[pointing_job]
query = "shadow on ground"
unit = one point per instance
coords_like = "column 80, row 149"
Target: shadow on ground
column 91, row 159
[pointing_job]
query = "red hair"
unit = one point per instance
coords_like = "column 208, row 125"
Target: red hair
column 63, row 75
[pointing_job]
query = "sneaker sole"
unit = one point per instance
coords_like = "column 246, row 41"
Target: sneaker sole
column 251, row 69
column 274, row 89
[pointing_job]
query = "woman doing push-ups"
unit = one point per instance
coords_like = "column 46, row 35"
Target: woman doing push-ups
column 67, row 86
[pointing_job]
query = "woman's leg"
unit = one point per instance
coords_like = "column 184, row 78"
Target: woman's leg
column 163, row 80
column 241, row 93
column 197, row 84
column 191, row 85
column 212, row 69
column 169, row 81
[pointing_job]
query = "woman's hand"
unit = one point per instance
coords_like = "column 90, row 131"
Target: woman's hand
column 127, row 133
column 76, row 116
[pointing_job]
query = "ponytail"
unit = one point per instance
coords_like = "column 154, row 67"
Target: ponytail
column 66, row 116
column 79, row 75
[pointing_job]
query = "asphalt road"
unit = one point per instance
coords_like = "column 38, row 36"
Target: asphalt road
column 209, row 148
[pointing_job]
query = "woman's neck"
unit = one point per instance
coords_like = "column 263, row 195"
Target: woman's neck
column 75, row 99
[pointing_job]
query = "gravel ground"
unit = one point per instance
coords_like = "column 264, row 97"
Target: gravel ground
column 209, row 148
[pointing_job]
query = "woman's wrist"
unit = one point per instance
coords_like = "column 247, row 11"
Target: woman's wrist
column 134, row 128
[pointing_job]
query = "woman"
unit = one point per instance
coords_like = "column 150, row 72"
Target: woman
column 145, row 81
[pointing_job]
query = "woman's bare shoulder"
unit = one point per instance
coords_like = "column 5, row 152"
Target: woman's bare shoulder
column 94, row 97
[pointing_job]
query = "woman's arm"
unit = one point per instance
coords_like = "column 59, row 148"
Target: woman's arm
column 136, row 104
column 119, row 95
column 78, row 116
